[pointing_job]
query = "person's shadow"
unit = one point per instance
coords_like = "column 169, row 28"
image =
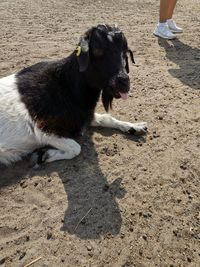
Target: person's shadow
column 188, row 60
column 92, row 209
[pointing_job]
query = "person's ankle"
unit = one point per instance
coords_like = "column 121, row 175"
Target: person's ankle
column 168, row 20
column 162, row 24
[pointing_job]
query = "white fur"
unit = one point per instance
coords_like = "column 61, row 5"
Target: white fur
column 16, row 127
column 106, row 120
column 66, row 148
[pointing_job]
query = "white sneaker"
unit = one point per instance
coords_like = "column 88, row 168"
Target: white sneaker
column 164, row 32
column 173, row 27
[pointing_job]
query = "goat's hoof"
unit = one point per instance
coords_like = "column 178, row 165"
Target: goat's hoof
column 139, row 129
column 37, row 158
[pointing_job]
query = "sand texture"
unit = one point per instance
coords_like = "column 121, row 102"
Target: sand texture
column 125, row 201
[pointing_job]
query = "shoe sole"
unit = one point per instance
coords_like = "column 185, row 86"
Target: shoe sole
column 176, row 31
column 167, row 38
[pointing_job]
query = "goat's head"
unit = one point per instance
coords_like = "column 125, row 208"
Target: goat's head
column 103, row 56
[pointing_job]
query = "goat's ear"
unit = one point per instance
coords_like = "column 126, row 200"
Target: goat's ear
column 82, row 53
column 131, row 55
column 127, row 65
column 132, row 59
column 107, row 100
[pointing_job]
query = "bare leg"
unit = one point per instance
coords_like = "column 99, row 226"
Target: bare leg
column 166, row 27
column 164, row 6
column 166, row 9
column 106, row 120
column 172, row 4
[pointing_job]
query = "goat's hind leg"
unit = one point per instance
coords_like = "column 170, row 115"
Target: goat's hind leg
column 106, row 120
column 61, row 148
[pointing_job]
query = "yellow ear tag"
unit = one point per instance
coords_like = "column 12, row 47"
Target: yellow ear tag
column 78, row 51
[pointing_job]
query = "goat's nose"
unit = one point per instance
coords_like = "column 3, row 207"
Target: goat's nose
column 123, row 81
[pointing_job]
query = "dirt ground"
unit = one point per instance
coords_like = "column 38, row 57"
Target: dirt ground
column 125, row 201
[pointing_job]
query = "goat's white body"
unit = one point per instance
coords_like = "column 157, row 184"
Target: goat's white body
column 19, row 135
column 16, row 127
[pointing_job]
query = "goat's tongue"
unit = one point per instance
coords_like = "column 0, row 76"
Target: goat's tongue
column 124, row 96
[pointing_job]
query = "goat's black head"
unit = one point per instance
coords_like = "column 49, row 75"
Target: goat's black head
column 103, row 56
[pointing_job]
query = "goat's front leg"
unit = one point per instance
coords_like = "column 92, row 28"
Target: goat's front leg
column 106, row 120
column 63, row 148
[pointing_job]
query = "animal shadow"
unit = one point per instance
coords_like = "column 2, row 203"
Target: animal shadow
column 92, row 208
column 188, row 60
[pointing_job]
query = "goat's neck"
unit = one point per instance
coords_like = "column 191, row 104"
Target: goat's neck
column 77, row 84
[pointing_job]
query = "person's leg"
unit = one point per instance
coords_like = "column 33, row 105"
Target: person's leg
column 162, row 29
column 170, row 9
column 164, row 7
column 171, row 24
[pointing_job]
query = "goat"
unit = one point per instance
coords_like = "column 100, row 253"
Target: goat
column 50, row 103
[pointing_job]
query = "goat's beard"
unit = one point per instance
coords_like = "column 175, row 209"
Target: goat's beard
column 107, row 100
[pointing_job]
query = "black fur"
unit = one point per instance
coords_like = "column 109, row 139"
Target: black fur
column 61, row 96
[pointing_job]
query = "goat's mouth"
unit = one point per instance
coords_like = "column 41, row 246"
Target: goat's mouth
column 109, row 93
column 116, row 92
column 120, row 88
column 123, row 95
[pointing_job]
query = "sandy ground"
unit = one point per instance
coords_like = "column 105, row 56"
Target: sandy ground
column 124, row 201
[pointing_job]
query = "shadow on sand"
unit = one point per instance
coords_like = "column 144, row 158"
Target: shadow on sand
column 92, row 209
column 186, row 58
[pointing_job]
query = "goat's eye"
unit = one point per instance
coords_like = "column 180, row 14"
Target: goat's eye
column 97, row 52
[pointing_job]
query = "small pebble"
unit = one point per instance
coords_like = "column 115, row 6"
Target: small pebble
column 22, row 255
column 183, row 167
column 122, row 235
column 144, row 237
column 2, row 261
column 160, row 118
column 90, row 254
column 89, row 248
column 23, row 184
column 49, row 235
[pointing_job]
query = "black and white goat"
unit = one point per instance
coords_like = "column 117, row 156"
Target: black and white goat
column 50, row 103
